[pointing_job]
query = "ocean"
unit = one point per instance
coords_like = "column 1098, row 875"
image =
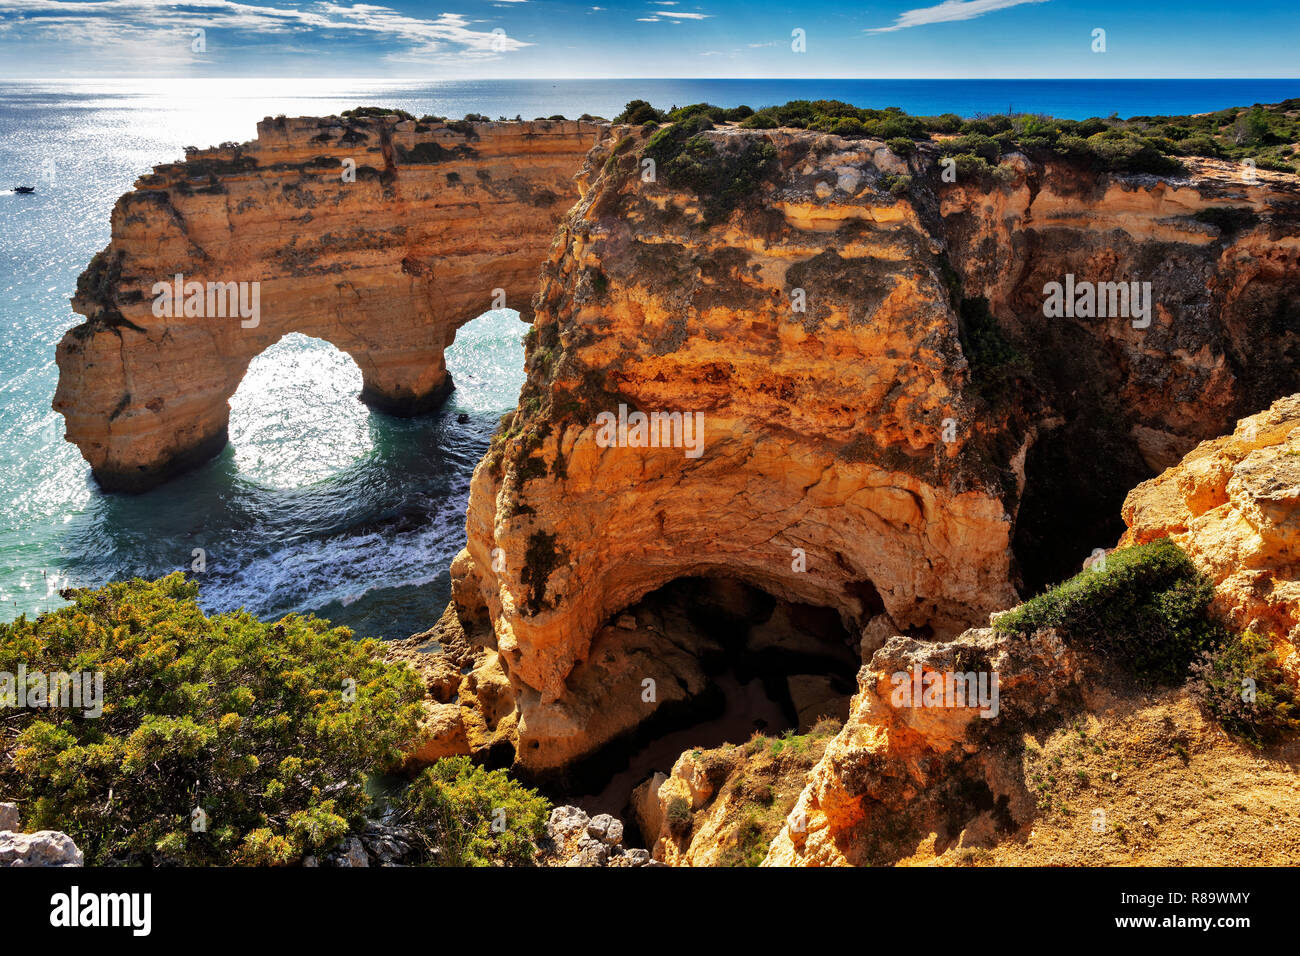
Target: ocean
column 317, row 504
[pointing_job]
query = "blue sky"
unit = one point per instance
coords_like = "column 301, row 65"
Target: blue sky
column 465, row 39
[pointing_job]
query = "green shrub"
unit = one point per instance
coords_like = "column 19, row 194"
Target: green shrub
column 1131, row 154
column 639, row 111
column 896, row 184
column 678, row 815
column 1220, row 679
column 972, row 168
column 849, row 126
column 975, row 144
column 249, row 721
column 896, row 127
column 717, row 114
column 1199, row 145
column 994, row 361
column 1275, row 165
column 763, row 119
column 470, row 816
column 1149, row 610
column 944, row 123
column 376, row 111
column 901, row 146
column 722, row 178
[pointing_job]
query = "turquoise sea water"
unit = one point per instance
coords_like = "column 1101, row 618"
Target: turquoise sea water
column 318, row 504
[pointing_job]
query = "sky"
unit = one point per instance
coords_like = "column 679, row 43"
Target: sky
column 468, row 39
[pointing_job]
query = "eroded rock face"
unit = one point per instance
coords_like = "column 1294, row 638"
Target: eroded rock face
column 897, row 759
column 722, row 807
column 1233, row 504
column 1113, row 401
column 822, row 476
column 884, row 422
column 441, row 223
column 853, row 455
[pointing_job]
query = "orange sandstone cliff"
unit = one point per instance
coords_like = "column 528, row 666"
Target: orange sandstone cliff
column 379, row 236
column 884, row 422
column 907, row 448
column 1233, row 504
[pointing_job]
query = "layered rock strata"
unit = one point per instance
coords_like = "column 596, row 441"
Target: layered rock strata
column 879, row 394
column 903, row 765
column 1233, row 504
column 379, row 236
column 861, row 400
column 1116, row 399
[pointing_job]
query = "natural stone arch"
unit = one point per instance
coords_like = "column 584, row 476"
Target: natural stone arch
column 440, row 223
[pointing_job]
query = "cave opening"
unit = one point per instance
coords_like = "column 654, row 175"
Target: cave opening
column 1076, row 478
column 295, row 418
column 743, row 661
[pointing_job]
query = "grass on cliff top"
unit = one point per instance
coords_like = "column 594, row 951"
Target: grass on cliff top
column 1148, row 609
column 1268, row 134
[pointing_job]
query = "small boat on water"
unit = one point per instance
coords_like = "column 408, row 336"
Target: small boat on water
column 24, row 189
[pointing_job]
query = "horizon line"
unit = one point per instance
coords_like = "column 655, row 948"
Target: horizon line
column 539, row 79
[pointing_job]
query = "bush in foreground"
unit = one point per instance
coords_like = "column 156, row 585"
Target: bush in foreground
column 470, row 816
column 269, row 728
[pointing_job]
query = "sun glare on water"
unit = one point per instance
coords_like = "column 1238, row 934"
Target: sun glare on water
column 295, row 418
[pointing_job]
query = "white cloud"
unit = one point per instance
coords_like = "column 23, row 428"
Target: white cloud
column 950, row 11
column 107, row 22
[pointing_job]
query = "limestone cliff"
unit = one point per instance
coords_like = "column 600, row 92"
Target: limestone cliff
column 1117, row 402
column 890, row 423
column 1233, row 504
column 861, row 402
column 895, row 773
column 378, row 235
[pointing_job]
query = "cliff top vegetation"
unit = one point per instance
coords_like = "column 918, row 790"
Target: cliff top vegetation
column 1268, row 134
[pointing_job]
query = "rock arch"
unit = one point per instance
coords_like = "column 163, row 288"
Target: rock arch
column 439, row 223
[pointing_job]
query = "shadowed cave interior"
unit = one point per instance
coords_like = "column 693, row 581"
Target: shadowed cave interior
column 744, row 662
